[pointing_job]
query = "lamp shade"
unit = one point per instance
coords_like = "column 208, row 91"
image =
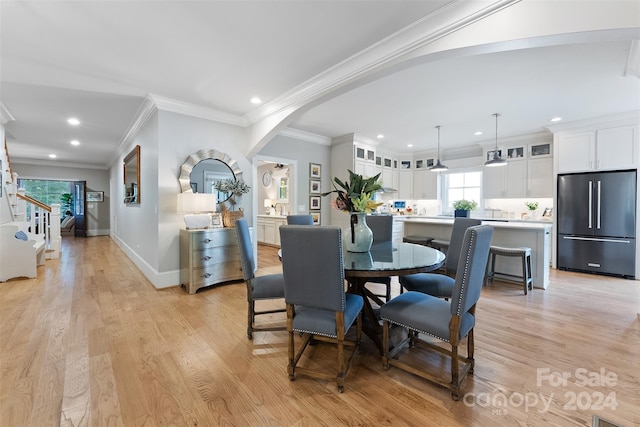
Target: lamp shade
column 267, row 203
column 196, row 202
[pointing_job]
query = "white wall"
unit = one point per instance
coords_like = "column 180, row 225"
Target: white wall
column 135, row 226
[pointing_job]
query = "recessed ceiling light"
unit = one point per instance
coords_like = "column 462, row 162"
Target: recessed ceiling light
column 556, row 119
column 478, row 133
column 380, row 136
column 53, row 156
column 75, row 142
column 409, row 145
column 256, row 100
column 73, row 121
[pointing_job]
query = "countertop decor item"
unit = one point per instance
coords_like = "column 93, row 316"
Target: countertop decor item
column 463, row 207
column 234, row 187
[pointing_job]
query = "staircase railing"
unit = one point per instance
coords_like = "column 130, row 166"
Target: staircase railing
column 43, row 220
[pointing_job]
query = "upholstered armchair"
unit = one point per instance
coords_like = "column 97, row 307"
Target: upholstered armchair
column 300, row 219
column 317, row 305
column 266, row 287
column 441, row 285
column 449, row 321
column 382, row 228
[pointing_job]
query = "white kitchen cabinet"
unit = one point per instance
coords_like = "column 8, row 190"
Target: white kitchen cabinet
column 616, row 148
column 540, row 177
column 604, row 149
column 425, row 184
column 508, row 181
column 365, row 168
column 405, row 184
column 269, row 229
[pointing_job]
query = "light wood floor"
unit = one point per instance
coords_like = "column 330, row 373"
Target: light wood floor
column 91, row 343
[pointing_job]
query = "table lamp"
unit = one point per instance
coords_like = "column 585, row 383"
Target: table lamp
column 193, row 205
column 267, row 205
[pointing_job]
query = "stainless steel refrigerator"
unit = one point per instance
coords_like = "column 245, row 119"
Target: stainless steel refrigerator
column 597, row 222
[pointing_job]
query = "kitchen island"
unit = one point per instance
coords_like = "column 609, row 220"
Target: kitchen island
column 535, row 235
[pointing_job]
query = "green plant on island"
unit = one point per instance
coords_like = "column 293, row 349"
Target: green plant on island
column 465, row 205
column 532, row 205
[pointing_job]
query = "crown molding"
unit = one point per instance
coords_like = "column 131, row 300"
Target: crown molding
column 628, row 118
column 305, row 136
column 5, row 114
column 50, row 163
column 455, row 15
column 180, row 107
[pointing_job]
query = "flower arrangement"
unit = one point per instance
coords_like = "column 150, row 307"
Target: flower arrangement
column 465, row 205
column 532, row 205
column 235, row 188
column 355, row 195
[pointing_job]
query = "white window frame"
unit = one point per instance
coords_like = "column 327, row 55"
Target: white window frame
column 444, row 182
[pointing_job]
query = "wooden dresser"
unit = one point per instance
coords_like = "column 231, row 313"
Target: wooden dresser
column 208, row 257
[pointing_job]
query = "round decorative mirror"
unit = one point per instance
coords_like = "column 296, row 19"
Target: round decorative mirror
column 202, row 170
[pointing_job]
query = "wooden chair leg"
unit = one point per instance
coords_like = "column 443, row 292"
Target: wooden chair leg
column 250, row 318
column 524, row 273
column 455, row 381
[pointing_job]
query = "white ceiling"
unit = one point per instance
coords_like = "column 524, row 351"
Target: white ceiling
column 97, row 60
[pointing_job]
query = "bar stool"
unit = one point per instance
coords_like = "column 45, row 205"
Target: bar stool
column 523, row 253
column 418, row 240
column 440, row 244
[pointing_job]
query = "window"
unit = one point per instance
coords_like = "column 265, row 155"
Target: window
column 463, row 185
column 48, row 192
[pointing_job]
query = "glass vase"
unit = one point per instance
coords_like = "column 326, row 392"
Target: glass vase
column 358, row 237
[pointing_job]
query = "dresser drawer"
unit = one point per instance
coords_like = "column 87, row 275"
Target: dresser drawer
column 217, row 273
column 215, row 239
column 216, row 255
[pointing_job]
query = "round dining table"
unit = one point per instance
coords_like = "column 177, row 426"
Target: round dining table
column 383, row 260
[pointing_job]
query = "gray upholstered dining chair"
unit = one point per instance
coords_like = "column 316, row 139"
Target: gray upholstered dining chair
column 449, row 321
column 441, row 285
column 300, row 219
column 265, row 287
column 382, row 228
column 317, row 305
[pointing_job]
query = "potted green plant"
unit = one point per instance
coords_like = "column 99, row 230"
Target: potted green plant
column 356, row 197
column 463, row 207
column 532, row 206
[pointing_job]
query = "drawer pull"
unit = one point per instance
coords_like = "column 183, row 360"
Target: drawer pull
column 206, row 258
column 207, row 275
column 207, row 240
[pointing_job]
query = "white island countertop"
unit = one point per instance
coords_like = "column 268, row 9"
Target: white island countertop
column 498, row 223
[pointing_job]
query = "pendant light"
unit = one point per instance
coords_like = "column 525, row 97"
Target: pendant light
column 496, row 160
column 438, row 167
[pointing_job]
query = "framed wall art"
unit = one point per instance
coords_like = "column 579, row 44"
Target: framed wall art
column 316, row 218
column 95, row 196
column 314, row 203
column 314, row 186
column 315, row 170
